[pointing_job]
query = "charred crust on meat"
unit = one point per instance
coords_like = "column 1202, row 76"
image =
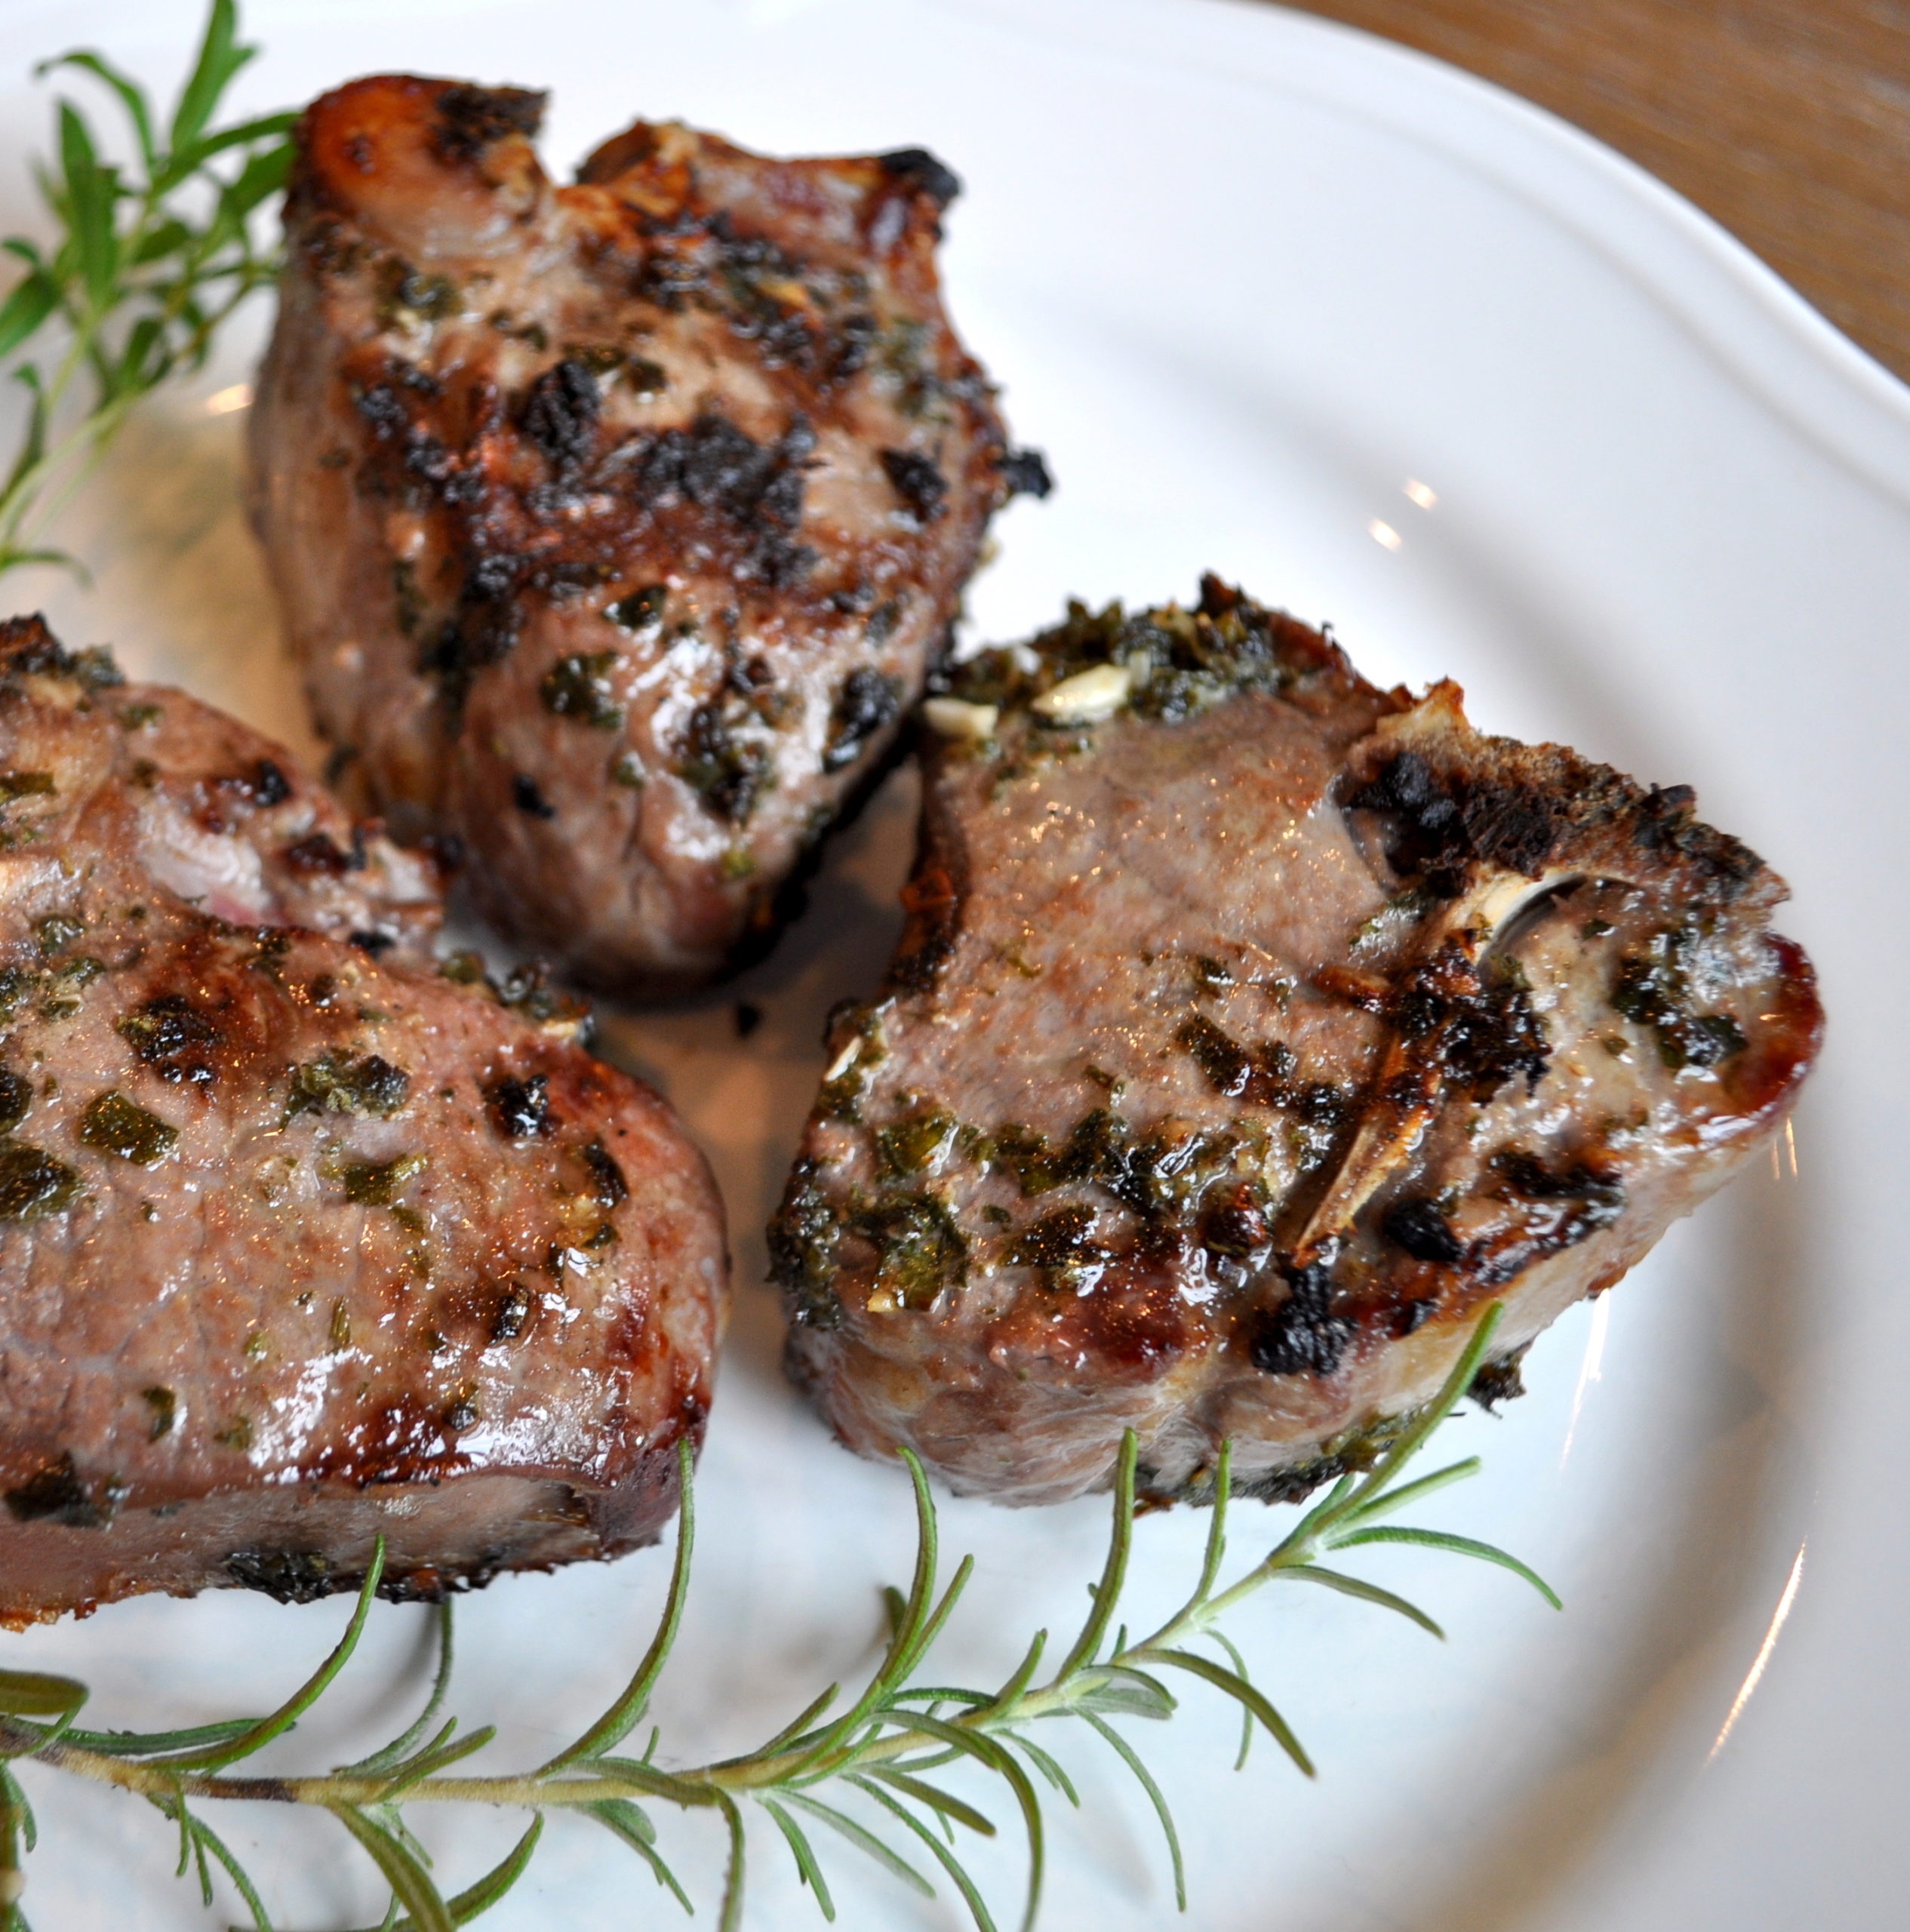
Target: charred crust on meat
column 15, row 1100
column 1476, row 1026
column 521, row 1108
column 866, row 704
column 1499, row 1380
column 931, row 906
column 57, row 1494
column 287, row 1576
column 560, row 414
column 318, row 854
column 920, row 169
column 1024, row 473
column 917, row 482
column 1416, row 1223
column 804, row 1238
column 608, row 1188
column 528, row 797
column 1301, row 1334
column 468, row 119
column 263, row 787
column 1264, row 1077
column 1514, row 805
column 173, row 1037
column 28, row 649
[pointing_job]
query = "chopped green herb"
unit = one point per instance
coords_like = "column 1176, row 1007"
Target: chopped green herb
column 919, row 1251
column 56, row 931
column 642, row 610
column 377, row 1184
column 370, row 1087
column 33, row 1184
column 580, row 687
column 113, row 1124
column 914, row 1145
column 15, row 1100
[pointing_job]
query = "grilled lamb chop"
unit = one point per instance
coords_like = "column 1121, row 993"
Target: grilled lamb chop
column 302, row 1242
column 1252, row 1030
column 615, row 525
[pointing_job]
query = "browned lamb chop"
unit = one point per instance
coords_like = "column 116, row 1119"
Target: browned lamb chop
column 1253, row 1029
column 615, row 525
column 302, row 1241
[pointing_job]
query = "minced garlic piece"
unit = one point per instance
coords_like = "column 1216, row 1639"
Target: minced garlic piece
column 1087, row 696
column 954, row 717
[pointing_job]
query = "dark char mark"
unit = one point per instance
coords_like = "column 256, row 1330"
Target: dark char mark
column 289, row 1576
column 469, row 119
column 1415, row 1224
column 57, row 1494
column 522, row 1108
column 1026, row 473
column 173, row 1037
column 919, row 169
column 526, row 796
column 866, row 702
column 1302, row 1335
column 560, row 414
column 917, row 480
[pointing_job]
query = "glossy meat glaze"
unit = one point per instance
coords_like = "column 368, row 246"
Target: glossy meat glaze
column 1252, row 1030
column 616, row 524
column 303, row 1239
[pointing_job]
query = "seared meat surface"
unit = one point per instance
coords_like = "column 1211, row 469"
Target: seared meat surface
column 1253, row 1029
column 302, row 1241
column 615, row 525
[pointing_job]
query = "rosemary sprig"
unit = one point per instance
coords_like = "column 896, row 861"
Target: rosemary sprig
column 883, row 1754
column 148, row 262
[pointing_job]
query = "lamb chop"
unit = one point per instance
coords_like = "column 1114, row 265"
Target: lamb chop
column 304, row 1240
column 1253, row 1029
column 615, row 525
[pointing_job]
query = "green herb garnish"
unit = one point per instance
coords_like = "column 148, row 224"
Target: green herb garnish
column 870, row 1774
column 147, row 262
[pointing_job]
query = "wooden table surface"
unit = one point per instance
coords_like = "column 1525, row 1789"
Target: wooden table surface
column 1789, row 120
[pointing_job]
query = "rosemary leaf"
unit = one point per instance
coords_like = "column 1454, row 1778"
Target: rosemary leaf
column 864, row 1840
column 936, row 1800
column 730, row 1919
column 395, row 1752
column 1358, row 1586
column 1237, row 1687
column 1131, row 1758
column 803, row 1853
column 971, row 1893
column 147, row 264
column 205, row 1839
column 1239, row 1663
column 217, row 1756
column 411, row 1884
column 1459, row 1546
column 621, row 1817
column 626, row 1713
column 475, row 1899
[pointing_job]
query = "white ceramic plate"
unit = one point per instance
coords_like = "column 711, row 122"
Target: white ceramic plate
column 1399, row 352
